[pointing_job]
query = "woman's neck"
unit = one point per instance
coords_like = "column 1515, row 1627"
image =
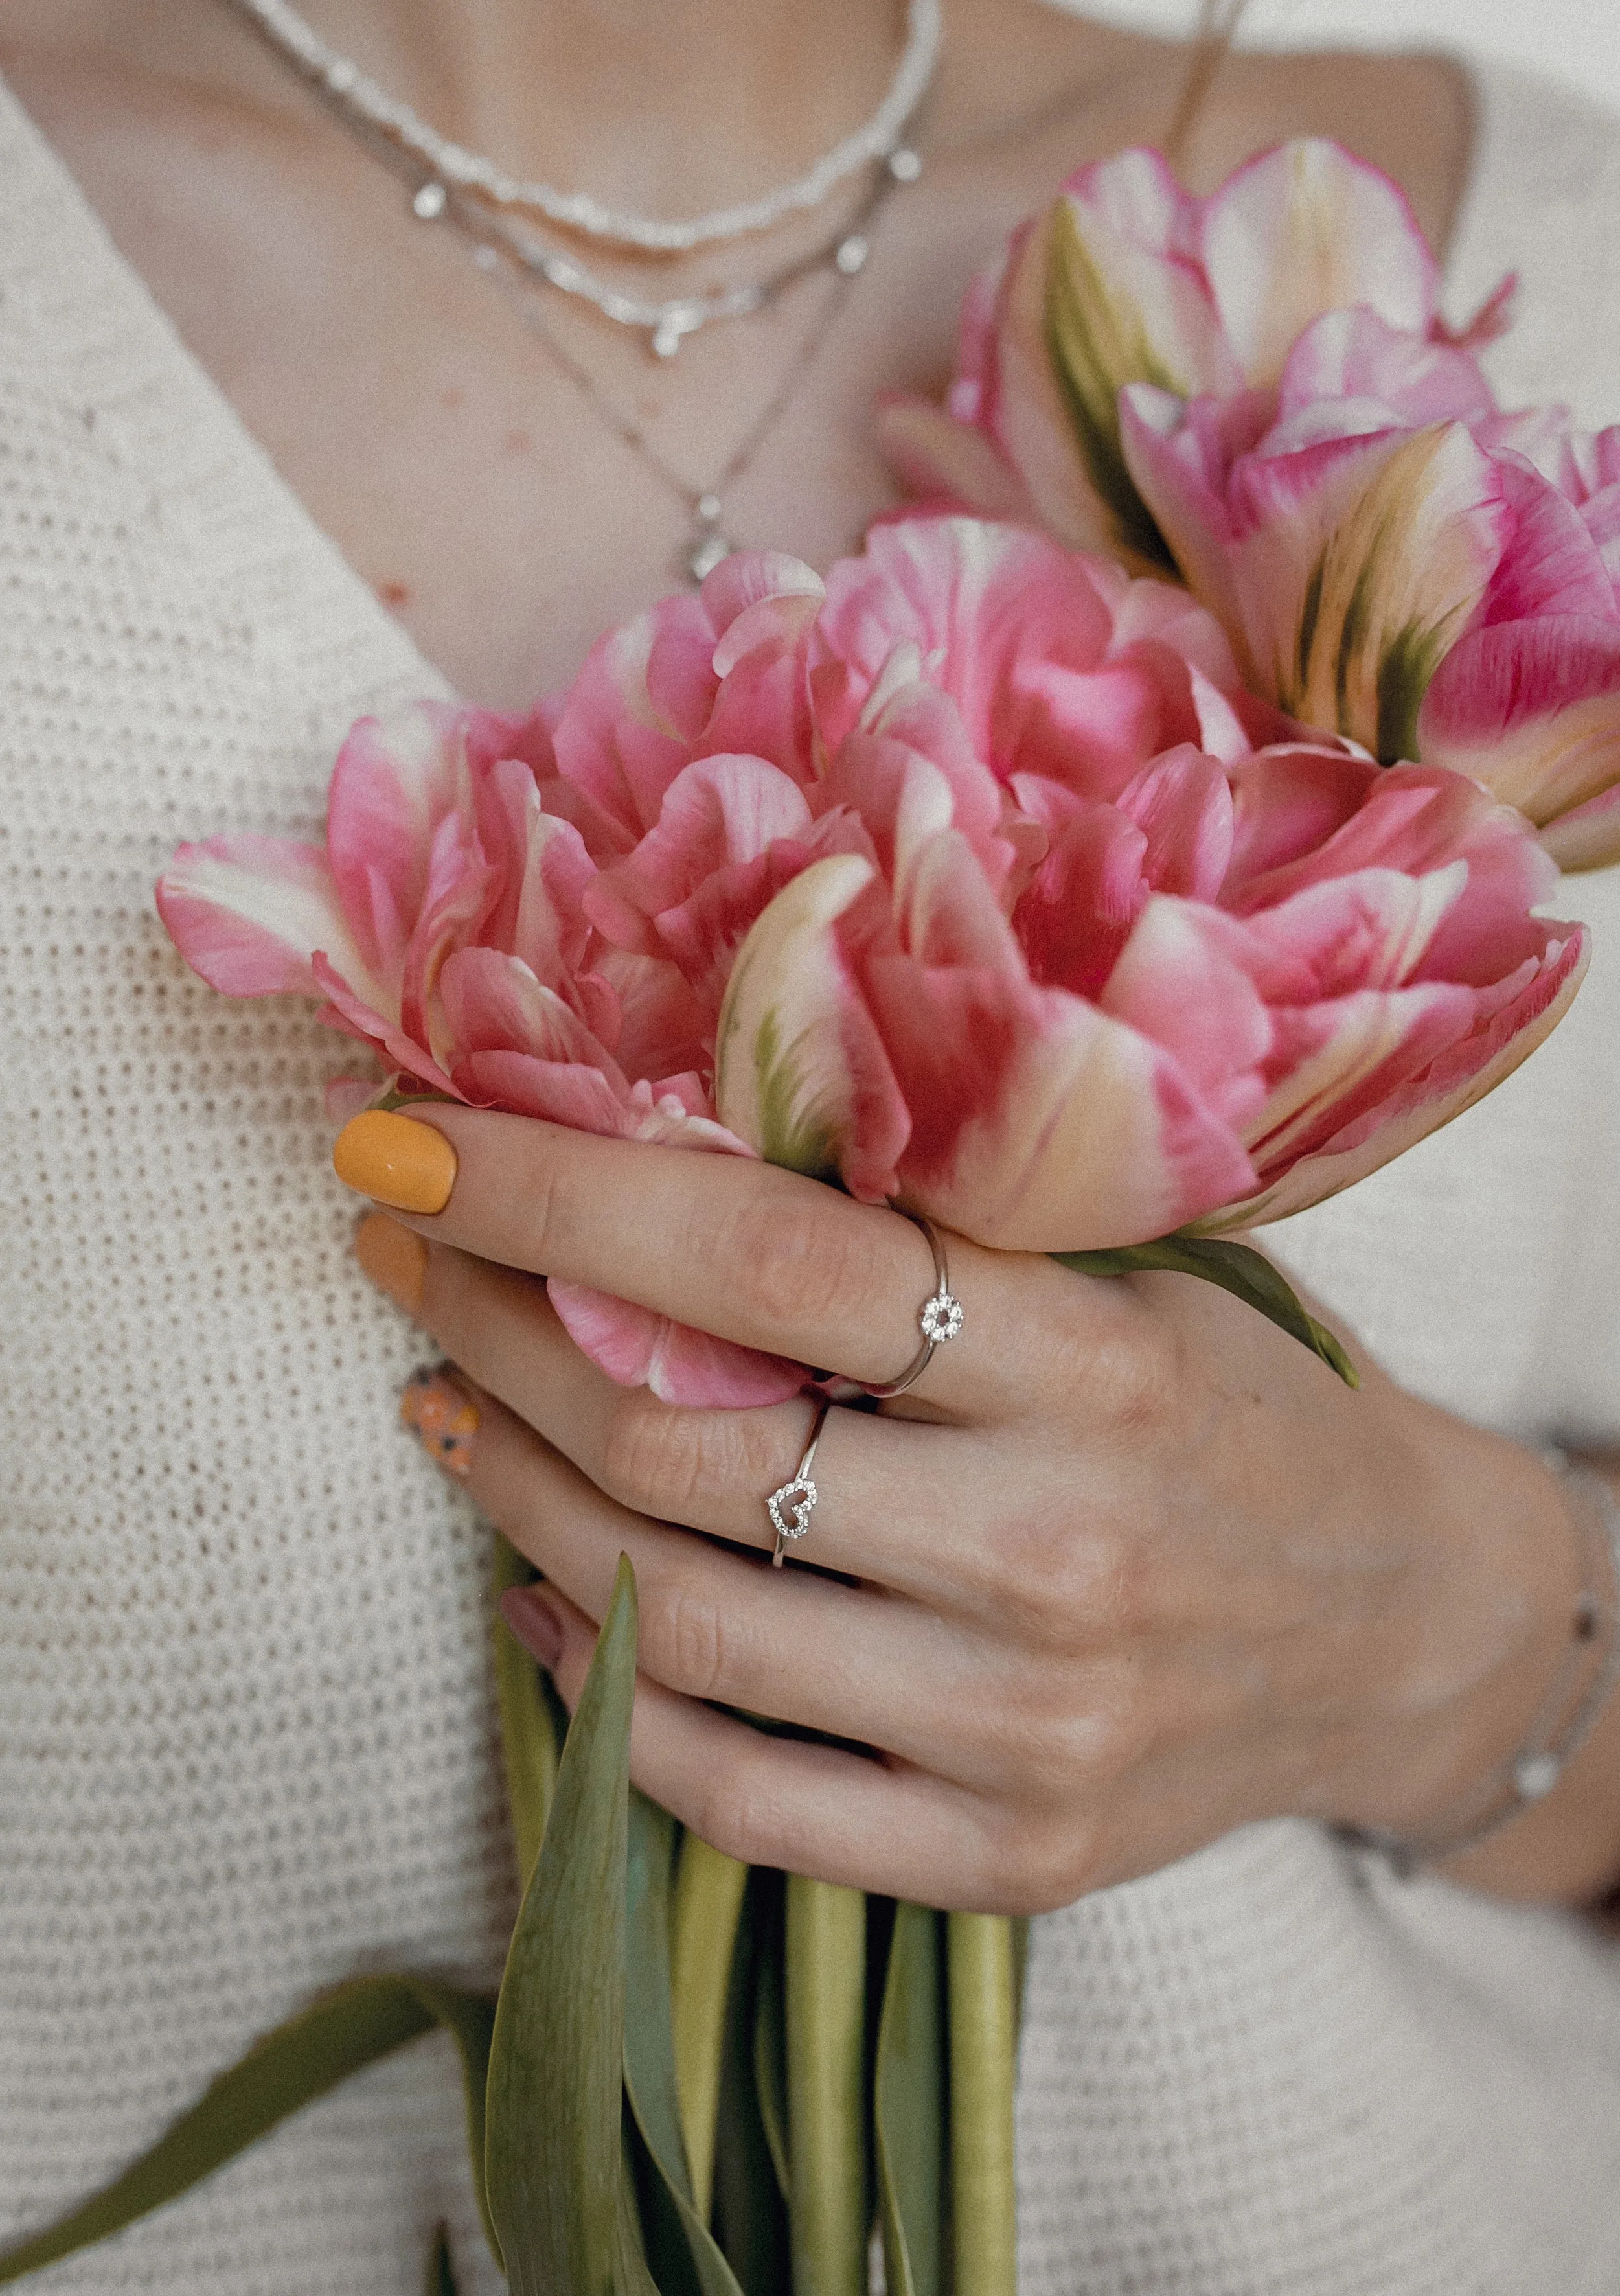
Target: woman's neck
column 668, row 106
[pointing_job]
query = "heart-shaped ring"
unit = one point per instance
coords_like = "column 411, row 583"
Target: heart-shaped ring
column 791, row 1505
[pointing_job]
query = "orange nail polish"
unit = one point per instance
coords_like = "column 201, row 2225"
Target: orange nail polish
column 442, row 1417
column 395, row 1161
column 393, row 1257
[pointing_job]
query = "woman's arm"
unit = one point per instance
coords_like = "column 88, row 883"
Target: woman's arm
column 1133, row 1569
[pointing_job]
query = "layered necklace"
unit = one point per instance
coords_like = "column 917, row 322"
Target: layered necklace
column 504, row 222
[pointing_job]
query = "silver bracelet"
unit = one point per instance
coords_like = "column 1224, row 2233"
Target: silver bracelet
column 1559, row 1732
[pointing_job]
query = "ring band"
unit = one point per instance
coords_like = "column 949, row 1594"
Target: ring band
column 791, row 1506
column 939, row 1318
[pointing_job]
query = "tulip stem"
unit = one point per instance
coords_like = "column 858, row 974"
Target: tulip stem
column 979, row 1960
column 826, row 2027
column 708, row 1891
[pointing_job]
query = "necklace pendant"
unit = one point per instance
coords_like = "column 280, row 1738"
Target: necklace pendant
column 678, row 321
column 708, row 546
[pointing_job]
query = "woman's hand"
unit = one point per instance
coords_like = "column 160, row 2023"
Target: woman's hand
column 1126, row 1569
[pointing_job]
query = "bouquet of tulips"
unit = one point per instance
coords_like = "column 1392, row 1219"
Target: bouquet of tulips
column 1141, row 840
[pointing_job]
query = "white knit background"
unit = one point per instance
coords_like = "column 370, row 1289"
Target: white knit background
column 246, row 1738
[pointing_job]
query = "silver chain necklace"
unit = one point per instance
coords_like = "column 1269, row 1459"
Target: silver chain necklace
column 453, row 168
column 506, row 249
column 706, row 544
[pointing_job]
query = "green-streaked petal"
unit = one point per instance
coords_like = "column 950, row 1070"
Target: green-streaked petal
column 528, row 1741
column 708, row 1893
column 826, row 2029
column 782, row 1079
column 556, row 2068
column 1361, row 564
column 1236, row 1267
column 982, row 2020
column 1119, row 314
column 909, row 2115
column 341, row 2034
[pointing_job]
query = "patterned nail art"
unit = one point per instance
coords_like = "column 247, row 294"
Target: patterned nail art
column 442, row 1417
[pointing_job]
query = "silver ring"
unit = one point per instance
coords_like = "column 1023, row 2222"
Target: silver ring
column 939, row 1318
column 791, row 1505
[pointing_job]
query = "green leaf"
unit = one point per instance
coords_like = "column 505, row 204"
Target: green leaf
column 341, row 2034
column 440, row 2279
column 826, row 2028
column 708, row 1893
column 682, row 2251
column 1238, row 1268
column 556, row 2068
column 982, row 2017
column 528, row 1741
column 909, row 2105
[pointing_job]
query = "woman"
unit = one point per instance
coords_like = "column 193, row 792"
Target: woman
column 1143, row 1582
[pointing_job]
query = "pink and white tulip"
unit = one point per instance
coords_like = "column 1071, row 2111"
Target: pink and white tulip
column 1128, row 278
column 1257, row 392
column 974, row 882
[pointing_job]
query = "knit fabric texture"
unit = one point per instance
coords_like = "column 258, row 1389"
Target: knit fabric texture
column 247, row 1738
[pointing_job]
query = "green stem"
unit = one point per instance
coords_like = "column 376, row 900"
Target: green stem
column 982, row 2026
column 708, row 1891
column 826, row 2024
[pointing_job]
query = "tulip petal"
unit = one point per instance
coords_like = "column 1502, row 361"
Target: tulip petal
column 1041, row 1124
column 1462, row 1075
column 250, row 913
column 1307, row 229
column 637, row 1347
column 1119, row 311
column 395, row 780
column 1028, row 412
column 1532, row 711
column 1358, row 565
column 1589, row 838
column 939, row 460
column 799, row 1073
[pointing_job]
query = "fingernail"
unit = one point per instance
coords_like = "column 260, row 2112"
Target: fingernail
column 397, row 1160
column 534, row 1623
column 442, row 1417
column 395, row 1258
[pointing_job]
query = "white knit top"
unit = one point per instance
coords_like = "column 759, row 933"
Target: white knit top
column 247, row 1745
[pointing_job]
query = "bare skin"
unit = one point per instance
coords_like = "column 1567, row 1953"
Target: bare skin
column 425, row 426
column 1412, row 1577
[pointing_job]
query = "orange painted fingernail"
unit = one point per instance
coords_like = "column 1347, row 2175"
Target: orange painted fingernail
column 442, row 1417
column 393, row 1257
column 397, row 1160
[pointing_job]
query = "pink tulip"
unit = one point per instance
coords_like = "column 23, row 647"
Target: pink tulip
column 1255, row 391
column 974, row 880
column 1128, row 278
column 443, row 925
column 1400, row 571
column 1226, row 987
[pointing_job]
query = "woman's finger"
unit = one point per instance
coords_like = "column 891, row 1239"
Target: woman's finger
column 738, row 1249
column 871, row 1825
column 795, row 1645
column 878, row 1514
